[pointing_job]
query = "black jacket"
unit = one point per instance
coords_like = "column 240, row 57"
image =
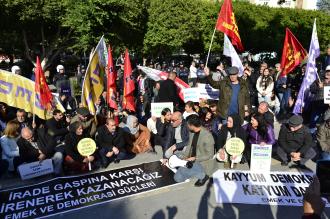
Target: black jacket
column 57, row 129
column 168, row 133
column 168, row 92
column 71, row 143
column 27, row 152
column 45, row 143
column 236, row 131
column 106, row 140
column 298, row 141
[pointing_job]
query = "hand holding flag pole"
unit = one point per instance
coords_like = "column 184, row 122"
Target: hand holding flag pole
column 226, row 23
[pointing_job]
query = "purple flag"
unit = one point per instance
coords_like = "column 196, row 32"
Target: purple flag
column 311, row 72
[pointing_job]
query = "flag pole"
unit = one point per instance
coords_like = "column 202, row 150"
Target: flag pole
column 208, row 54
column 34, row 107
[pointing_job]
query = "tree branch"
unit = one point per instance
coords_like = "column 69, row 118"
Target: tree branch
column 43, row 40
column 27, row 48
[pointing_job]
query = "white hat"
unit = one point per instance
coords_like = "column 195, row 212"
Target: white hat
column 327, row 68
column 14, row 69
column 59, row 67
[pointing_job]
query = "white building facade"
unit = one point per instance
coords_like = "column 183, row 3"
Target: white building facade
column 299, row 4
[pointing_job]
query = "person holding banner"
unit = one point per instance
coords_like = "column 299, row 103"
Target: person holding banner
column 258, row 132
column 38, row 147
column 73, row 160
column 231, row 130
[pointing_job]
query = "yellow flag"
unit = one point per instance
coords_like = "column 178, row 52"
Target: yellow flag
column 18, row 91
column 93, row 82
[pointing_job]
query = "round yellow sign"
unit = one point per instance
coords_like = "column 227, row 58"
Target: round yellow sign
column 86, row 147
column 235, row 146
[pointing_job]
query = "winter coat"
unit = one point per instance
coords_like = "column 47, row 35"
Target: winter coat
column 297, row 141
column 225, row 92
column 323, row 137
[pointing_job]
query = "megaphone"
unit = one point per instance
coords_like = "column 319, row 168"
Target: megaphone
column 174, row 162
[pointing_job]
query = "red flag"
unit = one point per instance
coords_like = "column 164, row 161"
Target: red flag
column 226, row 23
column 111, row 86
column 41, row 87
column 129, row 86
column 293, row 53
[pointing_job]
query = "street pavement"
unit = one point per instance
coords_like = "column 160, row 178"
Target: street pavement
column 180, row 201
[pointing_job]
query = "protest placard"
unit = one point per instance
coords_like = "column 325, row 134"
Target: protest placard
column 326, row 94
column 35, row 169
column 261, row 157
column 265, row 188
column 64, row 194
column 86, row 147
column 157, row 108
column 235, row 146
column 191, row 94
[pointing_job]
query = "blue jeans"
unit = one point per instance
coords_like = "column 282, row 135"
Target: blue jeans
column 184, row 173
column 325, row 156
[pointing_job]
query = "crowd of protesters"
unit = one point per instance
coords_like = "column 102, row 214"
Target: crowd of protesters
column 247, row 108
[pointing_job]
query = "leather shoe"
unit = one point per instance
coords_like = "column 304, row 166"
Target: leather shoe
column 116, row 161
column 201, row 182
column 284, row 163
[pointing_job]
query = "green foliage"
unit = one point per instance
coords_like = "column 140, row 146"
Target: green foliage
column 154, row 27
column 263, row 28
column 121, row 22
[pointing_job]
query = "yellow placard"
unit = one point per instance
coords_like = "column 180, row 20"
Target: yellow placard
column 235, row 146
column 86, row 147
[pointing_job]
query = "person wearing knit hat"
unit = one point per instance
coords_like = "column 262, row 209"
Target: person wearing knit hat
column 323, row 136
column 295, row 142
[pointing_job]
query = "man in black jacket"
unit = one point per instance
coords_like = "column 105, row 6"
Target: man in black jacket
column 177, row 136
column 168, row 90
column 38, row 148
column 111, row 143
column 57, row 126
column 295, row 142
